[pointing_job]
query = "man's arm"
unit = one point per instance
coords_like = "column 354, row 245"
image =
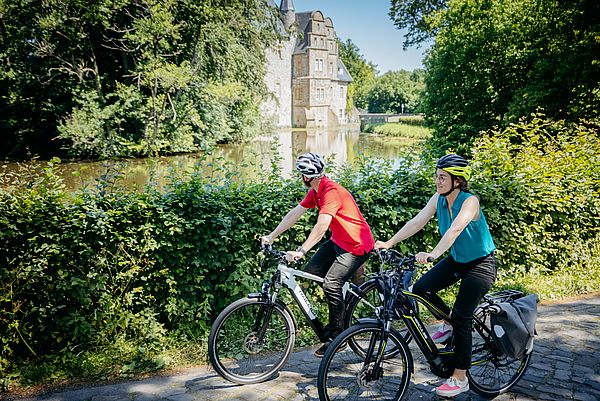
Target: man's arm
column 317, row 232
column 314, row 237
column 289, row 220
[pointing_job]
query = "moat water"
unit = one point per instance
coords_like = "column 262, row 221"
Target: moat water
column 265, row 154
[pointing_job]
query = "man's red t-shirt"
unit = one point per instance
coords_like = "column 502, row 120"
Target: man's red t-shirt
column 349, row 229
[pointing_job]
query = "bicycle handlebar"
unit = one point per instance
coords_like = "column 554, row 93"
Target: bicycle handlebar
column 396, row 259
column 269, row 249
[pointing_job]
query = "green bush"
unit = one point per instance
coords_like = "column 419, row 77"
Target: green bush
column 539, row 184
column 134, row 275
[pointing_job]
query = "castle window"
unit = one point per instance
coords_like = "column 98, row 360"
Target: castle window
column 341, row 92
column 331, row 67
column 319, row 93
column 319, row 64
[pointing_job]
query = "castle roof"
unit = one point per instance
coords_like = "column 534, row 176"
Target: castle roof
column 343, row 74
column 302, row 19
column 286, row 5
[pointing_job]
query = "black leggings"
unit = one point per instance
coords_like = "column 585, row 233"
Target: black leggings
column 476, row 278
column 336, row 266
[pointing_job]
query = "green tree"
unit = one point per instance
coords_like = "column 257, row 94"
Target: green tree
column 417, row 17
column 363, row 73
column 119, row 77
column 497, row 61
column 397, row 92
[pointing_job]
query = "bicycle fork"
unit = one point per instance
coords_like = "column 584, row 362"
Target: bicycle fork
column 372, row 369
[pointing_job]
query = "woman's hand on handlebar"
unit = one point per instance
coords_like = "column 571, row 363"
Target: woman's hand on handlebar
column 424, row 257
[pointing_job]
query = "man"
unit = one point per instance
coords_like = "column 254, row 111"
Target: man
column 338, row 258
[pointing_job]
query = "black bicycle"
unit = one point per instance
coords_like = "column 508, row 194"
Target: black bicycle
column 252, row 338
column 383, row 372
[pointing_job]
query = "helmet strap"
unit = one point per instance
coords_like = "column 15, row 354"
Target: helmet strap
column 451, row 189
column 305, row 182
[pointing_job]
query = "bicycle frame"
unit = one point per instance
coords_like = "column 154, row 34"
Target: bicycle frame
column 437, row 358
column 285, row 277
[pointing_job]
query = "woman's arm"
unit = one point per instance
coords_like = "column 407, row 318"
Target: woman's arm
column 415, row 225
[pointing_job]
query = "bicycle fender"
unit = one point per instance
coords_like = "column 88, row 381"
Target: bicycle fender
column 257, row 295
column 367, row 320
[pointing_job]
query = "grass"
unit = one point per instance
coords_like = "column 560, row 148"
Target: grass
column 399, row 129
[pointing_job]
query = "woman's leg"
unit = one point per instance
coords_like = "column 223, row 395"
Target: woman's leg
column 440, row 276
column 475, row 283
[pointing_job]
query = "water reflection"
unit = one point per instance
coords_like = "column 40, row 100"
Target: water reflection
column 248, row 160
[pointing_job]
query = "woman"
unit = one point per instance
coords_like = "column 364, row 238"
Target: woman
column 471, row 261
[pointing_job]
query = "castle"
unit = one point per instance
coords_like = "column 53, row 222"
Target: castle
column 307, row 79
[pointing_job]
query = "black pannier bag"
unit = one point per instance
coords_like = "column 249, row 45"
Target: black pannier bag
column 513, row 325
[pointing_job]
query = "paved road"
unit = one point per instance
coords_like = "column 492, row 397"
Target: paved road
column 565, row 366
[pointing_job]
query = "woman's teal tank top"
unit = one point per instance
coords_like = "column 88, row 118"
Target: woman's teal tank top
column 475, row 241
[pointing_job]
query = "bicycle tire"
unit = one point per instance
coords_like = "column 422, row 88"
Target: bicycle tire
column 344, row 376
column 493, row 373
column 232, row 347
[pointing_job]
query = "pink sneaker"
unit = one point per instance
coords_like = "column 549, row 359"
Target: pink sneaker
column 443, row 333
column 452, row 387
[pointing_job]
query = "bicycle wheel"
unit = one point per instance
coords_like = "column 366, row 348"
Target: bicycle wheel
column 236, row 348
column 492, row 373
column 348, row 375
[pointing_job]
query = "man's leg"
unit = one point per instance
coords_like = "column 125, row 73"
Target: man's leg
column 358, row 276
column 322, row 259
column 342, row 269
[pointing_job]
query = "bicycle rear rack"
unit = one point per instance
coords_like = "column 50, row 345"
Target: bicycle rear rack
column 503, row 296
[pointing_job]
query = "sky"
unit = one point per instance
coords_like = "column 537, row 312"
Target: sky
column 368, row 25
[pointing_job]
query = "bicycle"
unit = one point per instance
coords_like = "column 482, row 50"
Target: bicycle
column 354, row 374
column 252, row 338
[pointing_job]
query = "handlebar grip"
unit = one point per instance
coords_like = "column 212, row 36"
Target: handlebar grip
column 430, row 259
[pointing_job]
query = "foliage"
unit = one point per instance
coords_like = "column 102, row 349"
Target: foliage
column 417, row 18
column 397, row 92
column 130, row 77
column 363, row 73
column 541, row 180
column 118, row 273
column 497, row 61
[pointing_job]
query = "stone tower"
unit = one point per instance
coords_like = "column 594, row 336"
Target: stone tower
column 288, row 13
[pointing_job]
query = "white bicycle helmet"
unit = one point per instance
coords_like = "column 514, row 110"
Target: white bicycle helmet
column 310, row 164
